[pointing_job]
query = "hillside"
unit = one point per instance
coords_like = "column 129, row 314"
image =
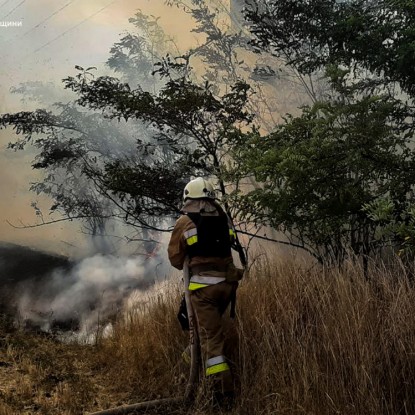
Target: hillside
column 22, row 268
column 18, row 262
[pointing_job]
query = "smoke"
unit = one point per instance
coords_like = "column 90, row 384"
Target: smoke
column 52, row 40
column 88, row 294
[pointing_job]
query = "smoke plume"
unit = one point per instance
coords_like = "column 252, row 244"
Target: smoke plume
column 89, row 293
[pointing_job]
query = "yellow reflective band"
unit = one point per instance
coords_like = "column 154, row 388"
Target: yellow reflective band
column 231, row 232
column 195, row 286
column 221, row 367
column 192, row 240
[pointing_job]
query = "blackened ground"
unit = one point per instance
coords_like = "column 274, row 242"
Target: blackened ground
column 26, row 272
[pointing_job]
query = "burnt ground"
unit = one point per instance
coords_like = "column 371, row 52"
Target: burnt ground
column 24, row 271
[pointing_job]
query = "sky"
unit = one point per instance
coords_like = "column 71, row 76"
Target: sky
column 49, row 39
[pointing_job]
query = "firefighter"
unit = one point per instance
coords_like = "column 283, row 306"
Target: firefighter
column 205, row 234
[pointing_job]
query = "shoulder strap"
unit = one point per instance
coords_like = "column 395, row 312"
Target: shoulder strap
column 195, row 217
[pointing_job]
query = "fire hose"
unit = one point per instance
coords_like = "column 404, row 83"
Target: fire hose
column 194, row 367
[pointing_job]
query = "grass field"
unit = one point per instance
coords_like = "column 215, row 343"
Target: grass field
column 306, row 341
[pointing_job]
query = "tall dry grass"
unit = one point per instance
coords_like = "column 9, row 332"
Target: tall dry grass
column 306, row 340
column 143, row 354
column 326, row 342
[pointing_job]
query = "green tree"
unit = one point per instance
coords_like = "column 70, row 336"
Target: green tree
column 319, row 169
column 364, row 35
column 351, row 148
column 199, row 126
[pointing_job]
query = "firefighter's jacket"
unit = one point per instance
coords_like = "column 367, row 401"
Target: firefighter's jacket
column 205, row 269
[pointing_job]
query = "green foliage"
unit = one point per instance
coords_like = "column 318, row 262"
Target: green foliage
column 181, row 110
column 318, row 170
column 151, row 190
column 395, row 224
column 322, row 174
column 373, row 35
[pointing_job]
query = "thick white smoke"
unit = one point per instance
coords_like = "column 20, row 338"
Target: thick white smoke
column 88, row 294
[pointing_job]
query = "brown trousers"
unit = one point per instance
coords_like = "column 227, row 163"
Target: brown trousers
column 209, row 304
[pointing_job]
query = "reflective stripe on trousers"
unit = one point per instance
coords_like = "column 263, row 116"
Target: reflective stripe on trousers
column 198, row 281
column 216, row 364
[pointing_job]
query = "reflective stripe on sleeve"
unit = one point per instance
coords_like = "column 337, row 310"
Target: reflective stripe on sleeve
column 191, row 236
column 232, row 233
column 192, row 240
column 216, row 364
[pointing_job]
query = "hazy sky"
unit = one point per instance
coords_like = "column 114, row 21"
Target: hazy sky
column 56, row 35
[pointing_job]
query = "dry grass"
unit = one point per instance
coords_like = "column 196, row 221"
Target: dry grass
column 41, row 376
column 326, row 342
column 308, row 341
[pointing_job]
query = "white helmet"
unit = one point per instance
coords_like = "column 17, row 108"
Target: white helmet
column 198, row 189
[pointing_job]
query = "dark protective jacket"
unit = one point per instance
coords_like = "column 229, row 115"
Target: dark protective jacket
column 205, row 234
